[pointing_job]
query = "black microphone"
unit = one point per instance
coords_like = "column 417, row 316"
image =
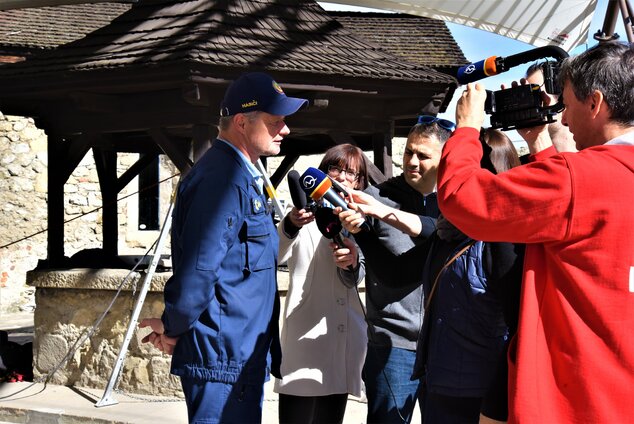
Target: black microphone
column 318, row 185
column 330, row 227
column 338, row 187
column 299, row 198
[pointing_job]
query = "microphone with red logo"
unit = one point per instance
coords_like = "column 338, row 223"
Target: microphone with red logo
column 318, row 185
column 329, row 225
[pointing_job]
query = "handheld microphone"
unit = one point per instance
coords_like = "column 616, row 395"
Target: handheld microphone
column 476, row 71
column 329, row 225
column 318, row 185
column 338, row 187
column 299, row 198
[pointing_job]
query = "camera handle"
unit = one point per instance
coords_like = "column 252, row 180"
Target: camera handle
column 504, row 64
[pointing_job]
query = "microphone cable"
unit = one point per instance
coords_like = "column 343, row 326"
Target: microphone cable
column 371, row 337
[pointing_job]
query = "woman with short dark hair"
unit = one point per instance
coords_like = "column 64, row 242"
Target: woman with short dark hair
column 323, row 328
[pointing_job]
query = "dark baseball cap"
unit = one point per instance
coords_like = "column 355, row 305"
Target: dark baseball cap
column 258, row 91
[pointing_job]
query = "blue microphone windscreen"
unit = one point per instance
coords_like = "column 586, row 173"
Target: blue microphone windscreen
column 477, row 70
column 312, row 181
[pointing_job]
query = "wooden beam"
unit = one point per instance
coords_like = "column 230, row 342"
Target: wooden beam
column 76, row 151
column 106, row 164
column 92, row 102
column 134, row 171
column 202, row 136
column 55, row 203
column 341, row 137
column 171, row 149
column 375, row 174
column 382, row 147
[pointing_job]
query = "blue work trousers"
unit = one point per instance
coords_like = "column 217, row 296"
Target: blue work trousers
column 212, row 402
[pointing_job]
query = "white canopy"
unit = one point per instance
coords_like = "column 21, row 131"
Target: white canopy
column 563, row 23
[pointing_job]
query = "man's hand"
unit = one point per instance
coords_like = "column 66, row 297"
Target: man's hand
column 367, row 204
column 157, row 337
column 352, row 219
column 470, row 108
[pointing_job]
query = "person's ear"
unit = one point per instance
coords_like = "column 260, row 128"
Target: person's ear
column 597, row 103
column 239, row 121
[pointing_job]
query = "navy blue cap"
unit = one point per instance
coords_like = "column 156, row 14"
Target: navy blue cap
column 258, row 91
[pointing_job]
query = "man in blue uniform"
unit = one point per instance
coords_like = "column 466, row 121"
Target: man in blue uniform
column 221, row 304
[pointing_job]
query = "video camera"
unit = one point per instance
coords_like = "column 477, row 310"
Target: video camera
column 521, row 106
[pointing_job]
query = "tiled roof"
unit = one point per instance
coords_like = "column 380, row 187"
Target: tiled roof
column 279, row 35
column 417, row 39
column 48, row 27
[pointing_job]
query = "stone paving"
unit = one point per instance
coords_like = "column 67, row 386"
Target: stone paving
column 25, row 402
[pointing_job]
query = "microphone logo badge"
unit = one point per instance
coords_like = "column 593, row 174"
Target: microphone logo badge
column 470, row 69
column 308, row 181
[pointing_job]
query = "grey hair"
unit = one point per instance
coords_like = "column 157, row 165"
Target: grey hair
column 608, row 68
column 224, row 122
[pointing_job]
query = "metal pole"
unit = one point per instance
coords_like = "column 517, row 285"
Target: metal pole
column 270, row 190
column 609, row 23
column 107, row 398
column 627, row 19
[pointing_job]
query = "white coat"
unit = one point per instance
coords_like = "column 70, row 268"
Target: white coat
column 324, row 334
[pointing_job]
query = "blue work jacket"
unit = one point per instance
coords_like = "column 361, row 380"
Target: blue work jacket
column 222, row 299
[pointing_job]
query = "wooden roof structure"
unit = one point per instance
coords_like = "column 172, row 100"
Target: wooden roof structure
column 151, row 81
column 419, row 40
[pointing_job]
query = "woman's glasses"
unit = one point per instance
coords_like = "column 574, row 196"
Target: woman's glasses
column 335, row 171
column 442, row 123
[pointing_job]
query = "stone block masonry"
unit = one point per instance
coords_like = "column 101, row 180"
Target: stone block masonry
column 69, row 302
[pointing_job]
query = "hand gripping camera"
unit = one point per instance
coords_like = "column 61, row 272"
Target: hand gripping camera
column 521, row 106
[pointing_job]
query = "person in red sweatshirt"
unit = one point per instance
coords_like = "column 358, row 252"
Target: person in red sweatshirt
column 572, row 360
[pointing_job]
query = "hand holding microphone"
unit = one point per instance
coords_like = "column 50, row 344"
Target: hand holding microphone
column 345, row 253
column 344, row 250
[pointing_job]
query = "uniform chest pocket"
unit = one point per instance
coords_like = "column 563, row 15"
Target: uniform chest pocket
column 259, row 250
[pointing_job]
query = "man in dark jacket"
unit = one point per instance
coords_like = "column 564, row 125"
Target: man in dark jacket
column 395, row 314
column 221, row 304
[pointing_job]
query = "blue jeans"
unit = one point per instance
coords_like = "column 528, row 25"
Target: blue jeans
column 391, row 394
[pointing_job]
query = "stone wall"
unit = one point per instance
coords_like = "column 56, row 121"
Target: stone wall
column 69, row 303
column 23, row 191
column 23, row 205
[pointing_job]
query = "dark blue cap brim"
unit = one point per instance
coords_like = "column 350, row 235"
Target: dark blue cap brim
column 285, row 106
